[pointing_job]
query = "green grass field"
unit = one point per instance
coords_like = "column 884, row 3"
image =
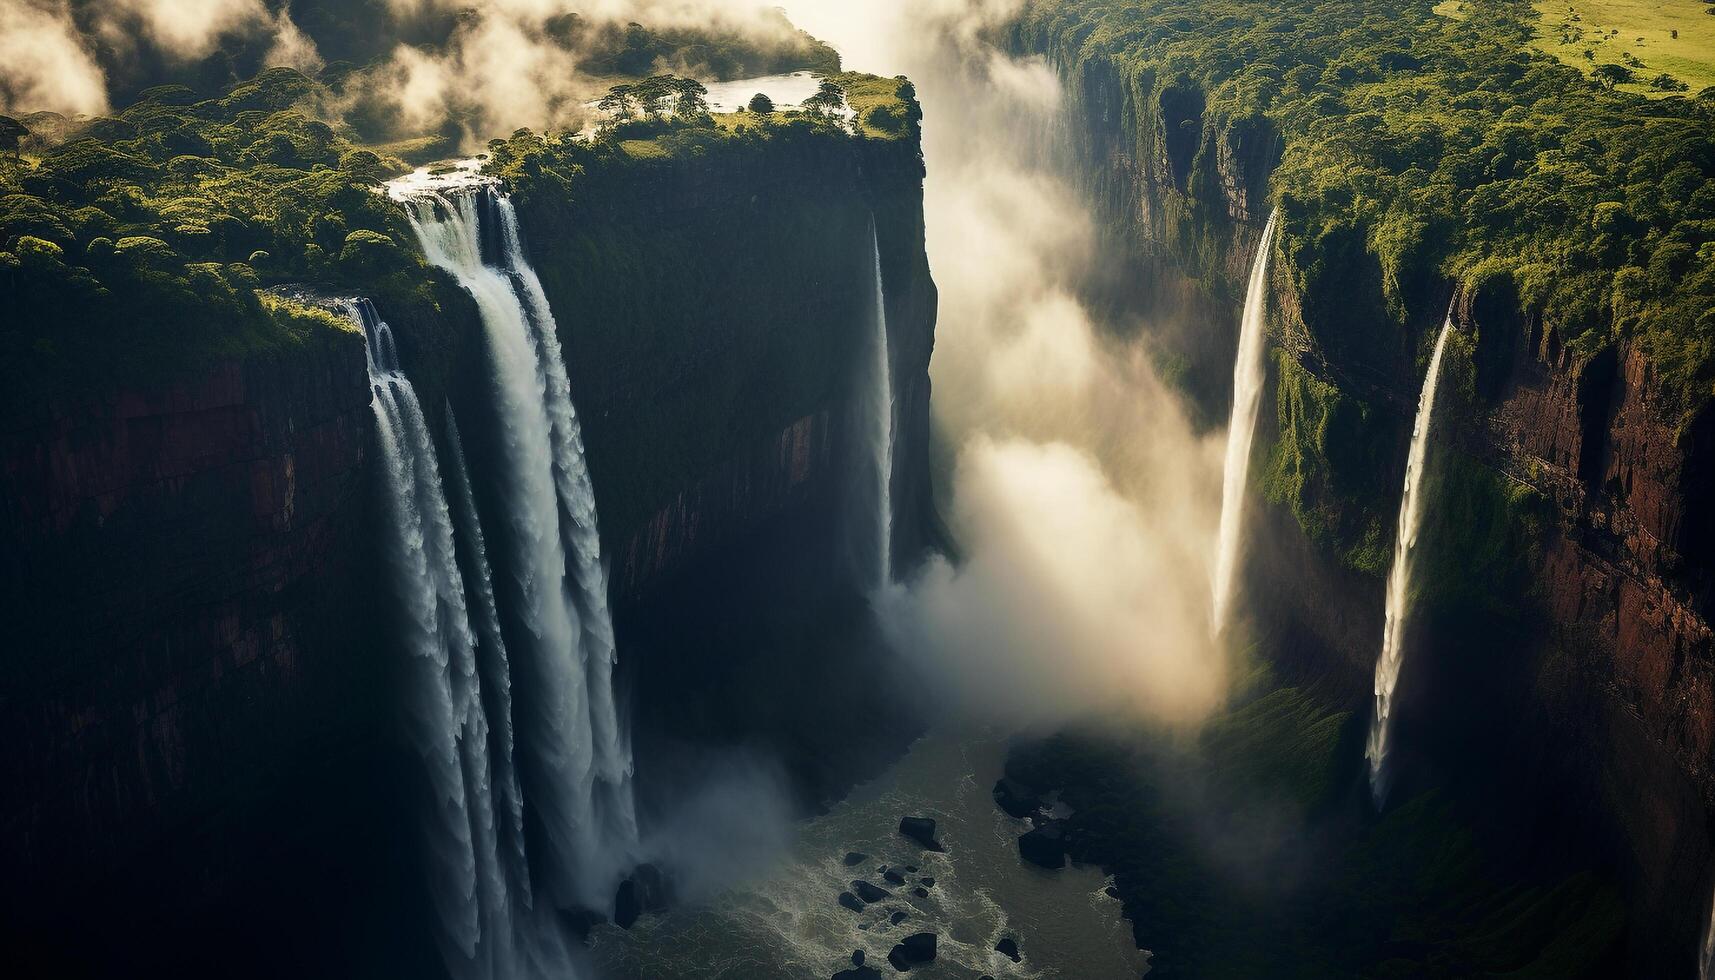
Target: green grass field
column 1636, row 33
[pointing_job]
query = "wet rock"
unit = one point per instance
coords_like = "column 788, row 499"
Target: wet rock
column 921, row 830
column 1046, row 846
column 869, row 892
column 898, row 917
column 920, row 892
column 851, row 901
column 644, row 891
column 918, row 948
column 1008, row 947
column 857, row 957
column 911, row 869
column 928, row 882
column 1015, row 798
column 1111, row 892
column 893, row 877
column 853, row 859
column 859, row 973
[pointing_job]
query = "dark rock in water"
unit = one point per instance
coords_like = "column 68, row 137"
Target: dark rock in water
column 921, row 830
column 1111, row 892
column 1046, row 846
column 861, row 973
column 1008, row 946
column 920, row 892
column 854, row 859
column 893, row 877
column 911, row 869
column 1015, row 798
column 644, row 891
column 919, row 948
column 857, row 957
column 579, row 922
column 927, row 881
column 898, row 917
column 985, row 977
column 869, row 892
column 896, row 958
column 851, row 901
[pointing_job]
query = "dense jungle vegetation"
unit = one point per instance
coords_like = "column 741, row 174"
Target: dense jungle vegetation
column 133, row 245
column 1419, row 147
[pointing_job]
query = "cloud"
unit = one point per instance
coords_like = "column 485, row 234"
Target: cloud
column 44, row 63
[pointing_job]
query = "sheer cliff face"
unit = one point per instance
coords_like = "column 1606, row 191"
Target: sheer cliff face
column 1615, row 695
column 182, row 570
column 189, row 570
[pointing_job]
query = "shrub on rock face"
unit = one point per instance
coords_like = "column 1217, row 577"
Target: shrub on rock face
column 761, row 104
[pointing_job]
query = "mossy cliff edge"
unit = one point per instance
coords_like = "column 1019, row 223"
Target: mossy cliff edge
column 1422, row 161
column 191, row 556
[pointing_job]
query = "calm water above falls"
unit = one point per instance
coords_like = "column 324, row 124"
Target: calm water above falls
column 787, row 925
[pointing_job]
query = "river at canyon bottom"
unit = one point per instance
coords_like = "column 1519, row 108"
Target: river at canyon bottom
column 788, row 925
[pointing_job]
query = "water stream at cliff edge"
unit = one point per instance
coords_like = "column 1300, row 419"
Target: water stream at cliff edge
column 1399, row 576
column 1249, row 371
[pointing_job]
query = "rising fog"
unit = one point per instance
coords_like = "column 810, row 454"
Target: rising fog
column 1084, row 503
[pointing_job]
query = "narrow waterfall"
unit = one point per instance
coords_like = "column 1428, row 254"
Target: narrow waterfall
column 1248, row 375
column 471, row 886
column 1399, row 576
column 881, row 412
column 574, row 758
column 1706, row 959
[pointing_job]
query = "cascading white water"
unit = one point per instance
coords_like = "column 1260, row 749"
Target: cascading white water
column 471, row 889
column 575, row 756
column 1706, row 961
column 1248, row 375
column 881, row 412
column 1399, row 576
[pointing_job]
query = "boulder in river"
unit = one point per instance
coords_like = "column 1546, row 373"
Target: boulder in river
column 1008, row 946
column 898, row 917
column 851, row 901
column 853, row 859
column 927, row 881
column 920, row 892
column 893, row 877
column 869, row 892
column 918, row 948
column 911, row 869
column 859, row 973
column 921, row 830
column 857, row 957
column 644, row 891
column 1046, row 846
column 1015, row 798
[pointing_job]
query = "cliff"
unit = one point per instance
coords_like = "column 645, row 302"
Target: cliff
column 201, row 695
column 1567, row 602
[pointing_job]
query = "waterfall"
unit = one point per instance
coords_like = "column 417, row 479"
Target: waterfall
column 1248, row 375
column 1399, row 576
column 471, row 887
column 1706, row 961
column 881, row 411
column 574, row 758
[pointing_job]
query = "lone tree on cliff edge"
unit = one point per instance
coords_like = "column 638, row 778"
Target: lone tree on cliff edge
column 761, row 104
column 829, row 99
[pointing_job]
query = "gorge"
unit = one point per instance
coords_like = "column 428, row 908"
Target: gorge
column 438, row 552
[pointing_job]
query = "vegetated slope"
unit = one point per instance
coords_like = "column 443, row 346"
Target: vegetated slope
column 1418, row 148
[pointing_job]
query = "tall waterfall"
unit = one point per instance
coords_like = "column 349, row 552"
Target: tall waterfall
column 1706, row 957
column 1399, row 576
column 881, row 413
column 548, row 623
column 474, row 889
column 1248, row 375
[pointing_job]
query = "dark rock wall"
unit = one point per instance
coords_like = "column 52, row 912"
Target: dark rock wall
column 1613, row 711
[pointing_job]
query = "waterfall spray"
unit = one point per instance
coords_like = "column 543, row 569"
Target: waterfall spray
column 881, row 413
column 574, row 759
column 1248, row 374
column 1399, row 576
